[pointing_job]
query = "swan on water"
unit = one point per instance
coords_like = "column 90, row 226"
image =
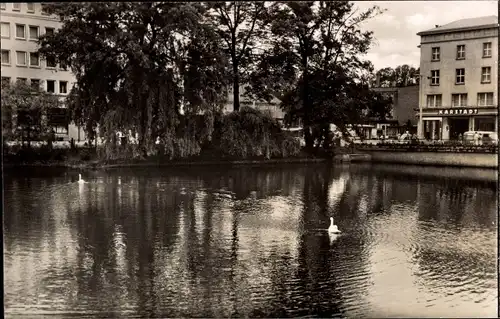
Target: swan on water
column 223, row 194
column 333, row 229
column 80, row 180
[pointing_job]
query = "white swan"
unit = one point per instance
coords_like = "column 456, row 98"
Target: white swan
column 80, row 180
column 223, row 194
column 333, row 229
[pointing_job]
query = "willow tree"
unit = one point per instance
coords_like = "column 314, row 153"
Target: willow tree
column 316, row 52
column 128, row 61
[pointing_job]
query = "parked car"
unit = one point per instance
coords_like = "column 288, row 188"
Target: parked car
column 480, row 138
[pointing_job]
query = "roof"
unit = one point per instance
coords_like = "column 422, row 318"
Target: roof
column 465, row 24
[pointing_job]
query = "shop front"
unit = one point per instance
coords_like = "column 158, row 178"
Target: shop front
column 452, row 123
column 485, row 124
column 432, row 128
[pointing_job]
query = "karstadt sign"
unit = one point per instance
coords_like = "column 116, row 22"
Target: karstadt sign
column 457, row 112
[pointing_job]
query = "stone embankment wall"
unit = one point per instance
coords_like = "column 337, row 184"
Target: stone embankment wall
column 485, row 160
column 436, row 155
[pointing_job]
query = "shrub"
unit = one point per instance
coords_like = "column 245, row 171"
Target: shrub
column 250, row 133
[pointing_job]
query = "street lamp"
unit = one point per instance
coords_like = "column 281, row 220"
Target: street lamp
column 420, row 132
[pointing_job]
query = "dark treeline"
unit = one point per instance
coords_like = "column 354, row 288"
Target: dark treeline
column 162, row 71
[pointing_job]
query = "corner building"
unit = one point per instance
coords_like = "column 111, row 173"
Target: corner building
column 458, row 67
column 22, row 24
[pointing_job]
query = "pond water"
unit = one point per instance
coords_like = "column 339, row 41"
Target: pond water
column 251, row 242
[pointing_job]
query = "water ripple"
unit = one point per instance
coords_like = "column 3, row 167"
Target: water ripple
column 248, row 243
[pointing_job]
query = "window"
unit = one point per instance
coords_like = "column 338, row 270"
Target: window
column 31, row 7
column 485, row 99
column 458, row 100
column 63, row 87
column 436, row 54
column 33, row 32
column 486, row 74
column 3, row 7
column 22, row 80
column 16, row 6
column 20, row 31
column 5, row 82
column 63, row 66
column 460, row 52
column 43, row 10
column 434, row 100
column 50, row 62
column 51, row 86
column 434, row 77
column 487, row 50
column 58, row 119
column 49, row 30
column 21, row 58
column 5, row 57
column 460, row 76
column 60, row 129
column 35, row 84
column 34, row 59
column 5, row 30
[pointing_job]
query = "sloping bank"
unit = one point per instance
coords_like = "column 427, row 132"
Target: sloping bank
column 433, row 156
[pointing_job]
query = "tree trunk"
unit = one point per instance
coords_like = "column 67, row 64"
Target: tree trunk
column 236, row 87
column 142, row 130
column 305, row 104
column 142, row 101
column 28, row 137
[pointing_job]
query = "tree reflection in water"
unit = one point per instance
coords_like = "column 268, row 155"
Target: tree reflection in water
column 161, row 243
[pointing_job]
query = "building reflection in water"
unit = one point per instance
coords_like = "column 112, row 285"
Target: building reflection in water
column 170, row 243
column 457, row 245
column 442, row 241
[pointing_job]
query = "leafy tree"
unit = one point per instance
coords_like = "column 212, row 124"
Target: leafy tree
column 316, row 50
column 241, row 27
column 406, row 75
column 131, row 61
column 339, row 99
column 400, row 76
column 24, row 112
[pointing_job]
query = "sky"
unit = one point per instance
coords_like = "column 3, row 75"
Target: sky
column 395, row 30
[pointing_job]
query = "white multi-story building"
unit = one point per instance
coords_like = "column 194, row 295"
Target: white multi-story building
column 22, row 25
column 458, row 66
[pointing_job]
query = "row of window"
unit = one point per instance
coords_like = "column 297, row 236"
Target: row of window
column 460, row 76
column 35, row 83
column 18, row 6
column 57, row 118
column 487, row 52
column 31, row 59
column 20, row 34
column 460, row 100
